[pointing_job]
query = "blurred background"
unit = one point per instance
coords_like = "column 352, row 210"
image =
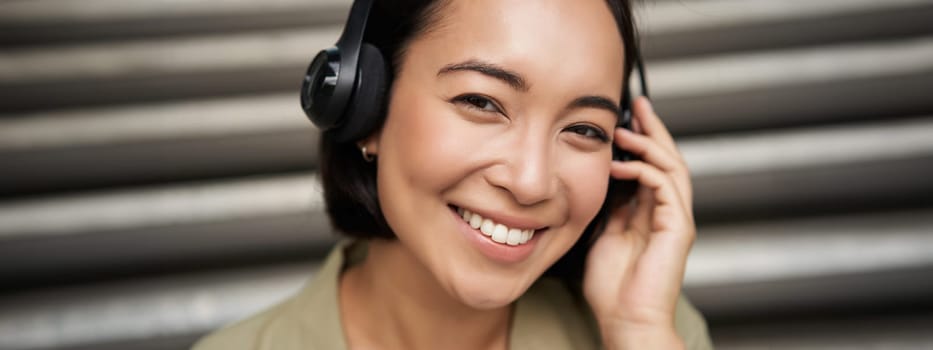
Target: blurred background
column 157, row 177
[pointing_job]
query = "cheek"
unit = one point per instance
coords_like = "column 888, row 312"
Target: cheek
column 421, row 141
column 422, row 148
column 588, row 182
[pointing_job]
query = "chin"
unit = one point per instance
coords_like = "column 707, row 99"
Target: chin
column 489, row 292
column 486, row 300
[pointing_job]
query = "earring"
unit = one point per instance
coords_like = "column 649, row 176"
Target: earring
column 369, row 158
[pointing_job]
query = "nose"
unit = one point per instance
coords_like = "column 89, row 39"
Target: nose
column 527, row 171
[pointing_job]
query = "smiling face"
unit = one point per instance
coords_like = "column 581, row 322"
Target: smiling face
column 505, row 110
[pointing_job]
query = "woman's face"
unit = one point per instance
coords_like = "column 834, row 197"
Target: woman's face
column 505, row 109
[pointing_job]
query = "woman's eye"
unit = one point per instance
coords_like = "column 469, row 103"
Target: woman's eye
column 589, row 131
column 478, row 102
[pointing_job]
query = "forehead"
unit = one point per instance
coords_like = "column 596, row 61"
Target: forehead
column 567, row 42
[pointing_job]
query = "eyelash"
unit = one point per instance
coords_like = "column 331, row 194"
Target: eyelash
column 589, row 131
column 474, row 102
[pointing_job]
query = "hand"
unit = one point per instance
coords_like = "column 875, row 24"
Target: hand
column 635, row 269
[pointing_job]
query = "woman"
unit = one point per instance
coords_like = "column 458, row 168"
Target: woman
column 492, row 158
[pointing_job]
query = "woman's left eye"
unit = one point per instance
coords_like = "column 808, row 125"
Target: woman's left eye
column 589, row 131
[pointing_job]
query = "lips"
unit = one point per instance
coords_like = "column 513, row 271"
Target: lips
column 502, row 253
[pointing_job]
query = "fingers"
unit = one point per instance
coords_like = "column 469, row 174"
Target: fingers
column 657, row 229
column 659, row 212
column 651, row 151
column 652, row 142
column 651, row 125
column 656, row 193
column 664, row 198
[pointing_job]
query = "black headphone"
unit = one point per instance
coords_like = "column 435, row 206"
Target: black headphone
column 344, row 87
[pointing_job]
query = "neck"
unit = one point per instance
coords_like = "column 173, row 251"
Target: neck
column 392, row 301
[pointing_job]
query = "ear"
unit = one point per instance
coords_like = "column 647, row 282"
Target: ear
column 371, row 143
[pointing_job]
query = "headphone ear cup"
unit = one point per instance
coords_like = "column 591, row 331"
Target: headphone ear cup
column 365, row 108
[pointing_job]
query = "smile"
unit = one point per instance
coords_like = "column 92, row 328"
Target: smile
column 499, row 233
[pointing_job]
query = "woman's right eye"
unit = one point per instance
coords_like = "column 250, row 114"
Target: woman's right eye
column 478, row 102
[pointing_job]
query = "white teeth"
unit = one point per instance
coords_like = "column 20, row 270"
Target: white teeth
column 487, row 227
column 515, row 236
column 476, row 221
column 498, row 232
column 501, row 234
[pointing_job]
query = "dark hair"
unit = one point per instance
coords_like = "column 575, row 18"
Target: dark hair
column 349, row 181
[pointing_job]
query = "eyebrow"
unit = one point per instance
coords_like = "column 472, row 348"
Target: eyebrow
column 514, row 79
column 517, row 82
column 599, row 102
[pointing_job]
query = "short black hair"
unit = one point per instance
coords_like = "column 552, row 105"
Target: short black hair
column 349, row 182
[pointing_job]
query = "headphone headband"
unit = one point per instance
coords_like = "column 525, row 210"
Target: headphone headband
column 352, row 37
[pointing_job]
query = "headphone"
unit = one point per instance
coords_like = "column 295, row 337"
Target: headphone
column 344, row 87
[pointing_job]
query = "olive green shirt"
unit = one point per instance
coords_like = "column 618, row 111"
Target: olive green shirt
column 547, row 316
